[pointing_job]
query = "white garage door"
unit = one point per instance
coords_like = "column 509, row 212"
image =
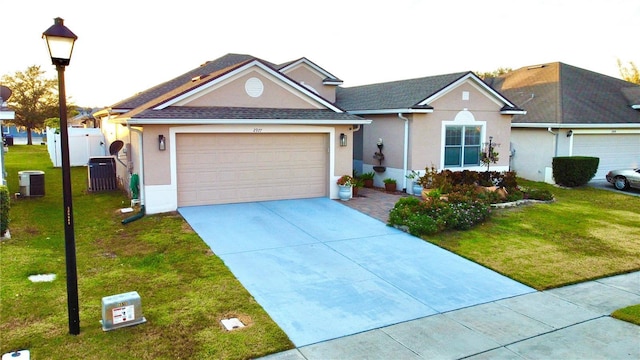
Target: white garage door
column 616, row 151
column 231, row 168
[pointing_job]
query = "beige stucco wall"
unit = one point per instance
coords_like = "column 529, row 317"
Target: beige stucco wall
column 275, row 94
column 157, row 169
column 303, row 74
column 533, row 152
column 426, row 132
column 343, row 154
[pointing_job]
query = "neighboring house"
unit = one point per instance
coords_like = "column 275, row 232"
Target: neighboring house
column 235, row 129
column 5, row 114
column 570, row 112
column 442, row 121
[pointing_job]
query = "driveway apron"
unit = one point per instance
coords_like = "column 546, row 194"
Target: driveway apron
column 322, row 270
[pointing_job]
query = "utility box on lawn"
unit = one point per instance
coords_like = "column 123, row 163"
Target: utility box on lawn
column 121, row 310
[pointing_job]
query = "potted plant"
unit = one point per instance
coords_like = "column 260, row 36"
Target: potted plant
column 357, row 184
column 345, row 182
column 414, row 176
column 367, row 179
column 389, row 184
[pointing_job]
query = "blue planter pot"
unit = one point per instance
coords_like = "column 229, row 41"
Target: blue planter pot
column 345, row 193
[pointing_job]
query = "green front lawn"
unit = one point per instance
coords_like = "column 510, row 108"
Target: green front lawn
column 585, row 234
column 185, row 289
column 630, row 314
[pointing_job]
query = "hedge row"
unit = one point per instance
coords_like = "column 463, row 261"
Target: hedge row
column 4, row 209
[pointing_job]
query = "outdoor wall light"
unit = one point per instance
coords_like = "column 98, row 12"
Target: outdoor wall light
column 343, row 140
column 569, row 133
column 162, row 145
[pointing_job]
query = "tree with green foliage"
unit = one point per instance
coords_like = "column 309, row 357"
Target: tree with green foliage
column 34, row 99
column 494, row 73
column 631, row 73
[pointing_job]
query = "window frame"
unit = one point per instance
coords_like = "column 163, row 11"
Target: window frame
column 464, row 119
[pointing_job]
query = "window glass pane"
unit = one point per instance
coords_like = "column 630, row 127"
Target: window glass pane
column 453, row 135
column 452, row 156
column 472, row 155
column 472, row 135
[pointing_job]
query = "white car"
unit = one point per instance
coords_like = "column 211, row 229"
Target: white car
column 625, row 178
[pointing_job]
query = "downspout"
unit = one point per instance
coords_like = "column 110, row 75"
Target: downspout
column 555, row 151
column 140, row 213
column 405, row 155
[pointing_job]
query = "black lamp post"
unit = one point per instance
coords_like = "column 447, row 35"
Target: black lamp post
column 60, row 42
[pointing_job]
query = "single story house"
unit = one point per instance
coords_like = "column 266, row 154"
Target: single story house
column 570, row 112
column 443, row 121
column 235, row 129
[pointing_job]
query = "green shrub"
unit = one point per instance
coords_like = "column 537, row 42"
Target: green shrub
column 539, row 194
column 574, row 171
column 4, row 209
column 422, row 218
column 367, row 176
column 421, row 225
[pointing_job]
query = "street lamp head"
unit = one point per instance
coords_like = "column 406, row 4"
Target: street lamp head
column 60, row 42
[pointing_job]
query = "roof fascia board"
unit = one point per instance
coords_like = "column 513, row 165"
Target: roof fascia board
column 575, row 126
column 513, row 112
column 160, row 121
column 312, row 65
column 476, row 82
column 108, row 112
column 390, row 111
column 238, row 71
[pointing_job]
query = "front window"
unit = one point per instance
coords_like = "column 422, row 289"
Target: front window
column 462, row 146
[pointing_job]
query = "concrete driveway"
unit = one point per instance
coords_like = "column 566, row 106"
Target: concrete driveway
column 323, row 270
column 604, row 185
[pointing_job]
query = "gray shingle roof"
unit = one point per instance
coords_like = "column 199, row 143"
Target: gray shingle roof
column 400, row 94
column 565, row 94
column 209, row 113
column 209, row 67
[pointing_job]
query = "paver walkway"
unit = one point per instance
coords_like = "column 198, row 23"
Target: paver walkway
column 374, row 202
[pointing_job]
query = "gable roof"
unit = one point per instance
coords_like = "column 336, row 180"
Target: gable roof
column 159, row 104
column 413, row 95
column 557, row 93
column 329, row 79
column 200, row 72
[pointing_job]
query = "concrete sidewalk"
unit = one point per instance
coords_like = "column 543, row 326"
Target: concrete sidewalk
column 571, row 322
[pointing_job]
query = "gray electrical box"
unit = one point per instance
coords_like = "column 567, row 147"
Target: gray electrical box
column 121, row 310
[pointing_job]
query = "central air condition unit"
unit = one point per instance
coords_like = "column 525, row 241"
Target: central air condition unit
column 102, row 174
column 31, row 183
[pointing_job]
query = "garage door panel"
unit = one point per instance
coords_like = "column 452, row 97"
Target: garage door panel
column 228, row 168
column 616, row 151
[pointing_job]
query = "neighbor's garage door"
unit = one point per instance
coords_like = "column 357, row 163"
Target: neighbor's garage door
column 616, row 151
column 231, row 168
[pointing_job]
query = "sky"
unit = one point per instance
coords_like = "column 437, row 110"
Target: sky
column 127, row 46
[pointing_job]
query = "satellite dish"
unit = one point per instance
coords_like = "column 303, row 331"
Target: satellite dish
column 5, row 93
column 115, row 147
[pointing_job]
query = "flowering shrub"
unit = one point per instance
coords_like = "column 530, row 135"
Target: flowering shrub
column 421, row 218
column 459, row 200
column 345, row 180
